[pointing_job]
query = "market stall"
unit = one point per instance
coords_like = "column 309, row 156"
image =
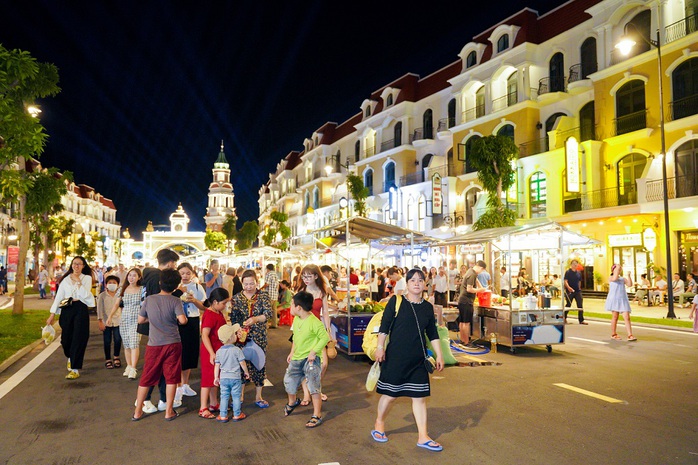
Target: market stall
column 525, row 320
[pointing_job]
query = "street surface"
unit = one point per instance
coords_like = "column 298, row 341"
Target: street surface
column 638, row 405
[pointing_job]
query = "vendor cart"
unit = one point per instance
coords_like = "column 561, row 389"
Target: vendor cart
column 526, row 320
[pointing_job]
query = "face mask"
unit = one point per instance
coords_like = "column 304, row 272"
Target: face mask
column 112, row 287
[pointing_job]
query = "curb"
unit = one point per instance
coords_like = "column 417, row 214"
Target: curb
column 19, row 354
column 645, row 325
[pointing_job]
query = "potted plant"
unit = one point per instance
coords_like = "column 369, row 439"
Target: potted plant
column 598, row 280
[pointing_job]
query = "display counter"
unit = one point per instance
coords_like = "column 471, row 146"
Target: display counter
column 349, row 329
column 520, row 327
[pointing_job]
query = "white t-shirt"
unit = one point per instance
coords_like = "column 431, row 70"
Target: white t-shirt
column 441, row 283
column 401, row 285
column 198, row 293
column 452, row 275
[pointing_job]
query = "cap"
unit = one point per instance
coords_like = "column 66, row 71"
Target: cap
column 225, row 332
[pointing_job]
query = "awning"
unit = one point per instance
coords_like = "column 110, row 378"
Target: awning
column 364, row 228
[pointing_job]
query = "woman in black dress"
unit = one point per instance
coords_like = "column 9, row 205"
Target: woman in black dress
column 403, row 373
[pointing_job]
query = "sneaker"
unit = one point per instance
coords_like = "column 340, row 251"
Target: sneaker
column 162, row 406
column 72, row 375
column 178, row 395
column 177, row 403
column 188, row 391
column 127, row 371
column 133, row 373
column 148, row 407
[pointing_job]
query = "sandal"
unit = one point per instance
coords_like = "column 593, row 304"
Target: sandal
column 323, row 397
column 313, row 422
column 205, row 413
column 288, row 409
column 305, row 403
column 616, row 337
column 631, row 338
column 214, row 408
column 117, row 362
column 262, row 404
column 108, row 364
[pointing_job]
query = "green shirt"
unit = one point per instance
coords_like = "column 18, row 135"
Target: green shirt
column 308, row 334
column 285, row 299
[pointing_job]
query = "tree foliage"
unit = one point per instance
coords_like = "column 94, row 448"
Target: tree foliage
column 215, row 241
column 229, row 229
column 247, row 235
column 277, row 227
column 358, row 193
column 86, row 249
column 492, row 157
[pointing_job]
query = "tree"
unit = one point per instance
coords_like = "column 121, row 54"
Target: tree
column 230, row 229
column 44, row 203
column 277, row 227
column 215, row 241
column 358, row 193
column 60, row 232
column 86, row 249
column 492, row 157
column 247, row 235
column 23, row 80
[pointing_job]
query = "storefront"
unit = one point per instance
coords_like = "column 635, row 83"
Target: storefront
column 634, row 251
column 688, row 253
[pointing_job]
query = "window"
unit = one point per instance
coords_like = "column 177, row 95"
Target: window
column 557, row 73
column 338, row 162
column 316, row 198
column 630, row 107
column 549, row 126
column 306, row 202
column 471, row 59
column 684, row 83
column 389, row 175
column 469, row 168
column 480, row 102
column 422, row 213
column 425, row 164
column 503, row 43
column 470, row 201
column 511, row 89
column 588, row 54
column 642, row 25
column 587, row 122
column 308, row 173
column 538, row 195
column 411, row 217
column 506, row 130
column 389, row 100
column 428, row 124
column 397, row 134
column 368, row 181
column 630, row 167
column 357, row 151
column 367, row 113
column 686, row 169
column 451, row 113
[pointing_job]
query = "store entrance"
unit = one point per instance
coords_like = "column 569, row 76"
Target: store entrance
column 688, row 253
column 633, row 260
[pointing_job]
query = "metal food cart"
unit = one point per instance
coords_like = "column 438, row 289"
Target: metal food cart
column 527, row 323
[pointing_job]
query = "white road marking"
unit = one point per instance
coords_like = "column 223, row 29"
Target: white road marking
column 587, row 340
column 14, row 380
column 673, row 331
column 590, row 394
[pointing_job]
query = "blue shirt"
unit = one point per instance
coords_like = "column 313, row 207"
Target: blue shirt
column 229, row 357
column 573, row 278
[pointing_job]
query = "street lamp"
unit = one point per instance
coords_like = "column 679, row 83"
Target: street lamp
column 455, row 220
column 624, row 46
column 333, row 161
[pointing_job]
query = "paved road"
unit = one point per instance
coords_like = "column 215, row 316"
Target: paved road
column 506, row 414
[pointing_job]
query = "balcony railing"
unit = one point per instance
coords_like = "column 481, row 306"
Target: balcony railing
column 680, row 28
column 631, row 122
column 573, row 204
column 369, row 151
column 683, row 107
column 551, row 84
column 412, row 178
column 446, row 123
column 423, row 133
column 611, row 197
column 533, row 147
column 474, row 113
column 504, row 101
column 678, row 187
column 442, row 170
column 387, row 145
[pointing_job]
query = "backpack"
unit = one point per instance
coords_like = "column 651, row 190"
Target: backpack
column 370, row 341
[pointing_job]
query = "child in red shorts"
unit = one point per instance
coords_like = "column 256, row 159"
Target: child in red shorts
column 163, row 355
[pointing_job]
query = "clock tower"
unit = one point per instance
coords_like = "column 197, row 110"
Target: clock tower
column 220, row 194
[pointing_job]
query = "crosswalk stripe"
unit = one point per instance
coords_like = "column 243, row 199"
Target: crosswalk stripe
column 590, row 394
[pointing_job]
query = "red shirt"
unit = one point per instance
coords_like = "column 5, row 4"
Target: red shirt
column 353, row 279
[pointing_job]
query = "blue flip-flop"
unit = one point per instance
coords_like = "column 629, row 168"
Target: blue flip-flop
column 431, row 445
column 379, row 436
column 262, row 404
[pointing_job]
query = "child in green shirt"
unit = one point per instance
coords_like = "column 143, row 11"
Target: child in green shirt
column 309, row 338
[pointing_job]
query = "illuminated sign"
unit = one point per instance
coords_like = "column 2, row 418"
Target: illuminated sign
column 436, row 194
column 572, row 164
column 649, row 238
column 624, row 240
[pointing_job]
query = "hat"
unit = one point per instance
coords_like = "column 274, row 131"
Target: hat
column 225, row 332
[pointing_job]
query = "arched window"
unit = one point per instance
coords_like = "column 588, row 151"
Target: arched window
column 427, row 119
column 630, row 168
column 480, row 102
column 506, row 130
column 338, row 162
column 389, row 176
column 425, row 164
column 503, row 43
column 587, row 122
column 549, row 126
column 471, row 197
column 588, row 54
column 684, row 83
column 630, row 107
column 357, row 151
column 367, row 113
column 538, row 194
column 686, row 169
column 641, row 25
column 368, row 180
column 411, row 217
column 557, row 73
column 512, row 96
column 387, row 216
column 451, row 113
column 471, row 59
column 469, row 168
column 422, row 213
column 397, row 134
column 316, row 198
column 389, row 100
column 306, row 202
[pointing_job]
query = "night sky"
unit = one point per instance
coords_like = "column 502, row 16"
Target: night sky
column 149, row 89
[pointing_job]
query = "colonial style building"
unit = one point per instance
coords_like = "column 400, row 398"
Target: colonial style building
column 587, row 121
column 220, row 194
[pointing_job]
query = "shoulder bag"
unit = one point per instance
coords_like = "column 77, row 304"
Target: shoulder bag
column 429, row 362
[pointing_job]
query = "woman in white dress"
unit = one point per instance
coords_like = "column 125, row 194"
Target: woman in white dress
column 617, row 301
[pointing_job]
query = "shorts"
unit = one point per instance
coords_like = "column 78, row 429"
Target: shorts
column 465, row 312
column 298, row 370
column 162, row 361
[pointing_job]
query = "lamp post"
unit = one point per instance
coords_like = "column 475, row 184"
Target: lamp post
column 453, row 221
column 625, row 45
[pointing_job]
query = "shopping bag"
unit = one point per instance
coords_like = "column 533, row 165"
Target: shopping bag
column 48, row 334
column 373, row 375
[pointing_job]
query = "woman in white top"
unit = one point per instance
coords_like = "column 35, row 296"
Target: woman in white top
column 74, row 318
column 193, row 295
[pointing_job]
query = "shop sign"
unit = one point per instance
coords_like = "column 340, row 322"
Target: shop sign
column 649, row 239
column 624, row 240
column 436, row 194
column 472, row 248
column 410, row 251
column 572, row 164
column 12, row 258
column 690, row 237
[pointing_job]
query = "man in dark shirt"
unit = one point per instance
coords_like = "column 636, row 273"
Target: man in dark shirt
column 573, row 290
column 466, row 299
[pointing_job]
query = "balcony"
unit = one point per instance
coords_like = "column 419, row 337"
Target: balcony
column 474, row 113
column 551, row 84
column 573, row 204
column 369, row 151
column 423, row 134
column 445, row 124
column 505, row 101
column 680, row 29
column 631, row 122
column 412, row 178
column 533, row 147
column 684, row 107
column 392, row 143
column 611, row 197
column 678, row 187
